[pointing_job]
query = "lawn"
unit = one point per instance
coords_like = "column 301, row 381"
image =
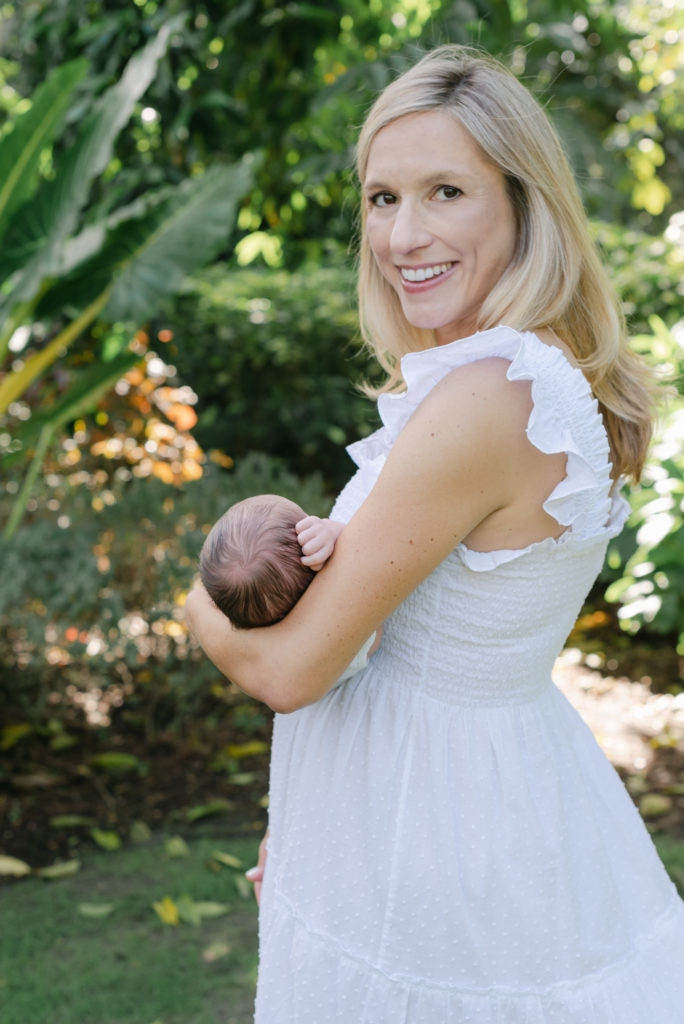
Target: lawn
column 92, row 949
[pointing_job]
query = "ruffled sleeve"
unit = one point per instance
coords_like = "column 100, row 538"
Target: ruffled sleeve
column 565, row 418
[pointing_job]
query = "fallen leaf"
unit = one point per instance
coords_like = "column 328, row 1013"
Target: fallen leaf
column 167, row 911
column 94, row 909
column 244, row 888
column 175, row 846
column 11, row 734
column 204, row 810
column 62, row 869
column 117, row 762
column 654, row 805
column 63, row 741
column 37, row 780
column 106, row 840
column 187, row 910
column 238, row 750
column 215, row 951
column 243, row 778
column 208, row 908
column 13, row 866
column 140, row 832
column 71, row 821
column 227, row 858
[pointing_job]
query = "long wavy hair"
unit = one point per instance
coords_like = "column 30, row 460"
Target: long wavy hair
column 555, row 279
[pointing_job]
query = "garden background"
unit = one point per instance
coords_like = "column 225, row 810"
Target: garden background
column 178, row 331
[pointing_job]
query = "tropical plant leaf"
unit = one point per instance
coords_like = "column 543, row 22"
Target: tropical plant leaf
column 20, row 149
column 38, row 229
column 146, row 259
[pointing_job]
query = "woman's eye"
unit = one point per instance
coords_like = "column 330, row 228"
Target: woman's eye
column 448, row 192
column 382, row 199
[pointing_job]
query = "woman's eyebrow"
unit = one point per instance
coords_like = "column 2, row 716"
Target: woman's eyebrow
column 444, row 177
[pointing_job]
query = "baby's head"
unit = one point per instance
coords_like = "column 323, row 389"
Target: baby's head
column 250, row 563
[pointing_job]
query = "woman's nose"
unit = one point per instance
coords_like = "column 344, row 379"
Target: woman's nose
column 409, row 230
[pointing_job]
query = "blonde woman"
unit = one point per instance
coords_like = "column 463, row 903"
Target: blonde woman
column 447, row 841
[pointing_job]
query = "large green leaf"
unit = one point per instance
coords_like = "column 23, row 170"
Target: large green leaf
column 38, row 229
column 146, row 259
column 21, row 148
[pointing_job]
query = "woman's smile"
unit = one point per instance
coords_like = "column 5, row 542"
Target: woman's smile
column 412, row 276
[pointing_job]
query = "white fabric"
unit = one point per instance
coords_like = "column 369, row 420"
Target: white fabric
column 359, row 661
column 448, row 843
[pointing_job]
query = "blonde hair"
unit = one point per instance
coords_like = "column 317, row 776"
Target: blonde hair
column 555, row 280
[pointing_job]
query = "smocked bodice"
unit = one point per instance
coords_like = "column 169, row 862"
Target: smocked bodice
column 500, row 617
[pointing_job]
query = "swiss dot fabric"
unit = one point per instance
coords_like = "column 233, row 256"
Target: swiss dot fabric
column 448, row 844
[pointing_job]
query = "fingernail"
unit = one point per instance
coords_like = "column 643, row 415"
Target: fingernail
column 252, row 874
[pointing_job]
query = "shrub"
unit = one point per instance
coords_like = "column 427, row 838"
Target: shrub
column 644, row 566
column 92, row 601
column 273, row 360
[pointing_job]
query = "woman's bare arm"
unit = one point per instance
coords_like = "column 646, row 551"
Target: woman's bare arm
column 462, row 457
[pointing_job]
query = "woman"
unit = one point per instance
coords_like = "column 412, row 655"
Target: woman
column 447, row 841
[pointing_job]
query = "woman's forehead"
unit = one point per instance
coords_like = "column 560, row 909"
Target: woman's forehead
column 430, row 145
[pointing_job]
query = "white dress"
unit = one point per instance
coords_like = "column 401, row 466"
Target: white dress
column 448, row 843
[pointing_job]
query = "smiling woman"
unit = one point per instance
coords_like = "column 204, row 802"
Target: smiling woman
column 447, row 841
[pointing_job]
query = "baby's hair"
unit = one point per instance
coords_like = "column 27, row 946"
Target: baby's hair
column 250, row 563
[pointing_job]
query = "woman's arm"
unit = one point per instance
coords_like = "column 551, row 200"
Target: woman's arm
column 462, row 456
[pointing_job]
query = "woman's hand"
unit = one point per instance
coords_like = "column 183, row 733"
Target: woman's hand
column 256, row 874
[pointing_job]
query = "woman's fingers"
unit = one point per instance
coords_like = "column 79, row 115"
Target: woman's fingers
column 256, row 874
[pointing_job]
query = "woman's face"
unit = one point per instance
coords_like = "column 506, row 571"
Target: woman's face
column 439, row 221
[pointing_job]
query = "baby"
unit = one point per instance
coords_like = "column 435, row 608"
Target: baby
column 260, row 557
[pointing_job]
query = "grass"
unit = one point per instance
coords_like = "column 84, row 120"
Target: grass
column 60, row 967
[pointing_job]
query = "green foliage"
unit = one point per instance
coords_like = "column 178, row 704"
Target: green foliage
column 646, row 564
column 648, row 273
column 62, row 264
column 93, row 601
column 272, row 358
column 294, row 80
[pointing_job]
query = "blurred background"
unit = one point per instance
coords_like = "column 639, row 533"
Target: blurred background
column 178, row 330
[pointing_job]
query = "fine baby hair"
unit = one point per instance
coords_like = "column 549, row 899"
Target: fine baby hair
column 250, row 563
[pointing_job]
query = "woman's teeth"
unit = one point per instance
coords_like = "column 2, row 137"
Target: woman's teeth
column 424, row 273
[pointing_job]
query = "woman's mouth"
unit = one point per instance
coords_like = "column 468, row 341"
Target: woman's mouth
column 419, row 275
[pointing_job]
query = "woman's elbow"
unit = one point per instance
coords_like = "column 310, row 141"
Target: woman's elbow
column 284, row 705
column 285, row 695
column 286, row 699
